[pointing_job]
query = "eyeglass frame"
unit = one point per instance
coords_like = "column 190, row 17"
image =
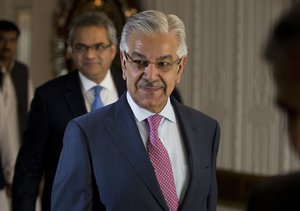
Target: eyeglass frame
column 92, row 47
column 144, row 66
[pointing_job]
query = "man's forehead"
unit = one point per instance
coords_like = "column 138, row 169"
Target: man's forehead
column 8, row 34
column 156, row 46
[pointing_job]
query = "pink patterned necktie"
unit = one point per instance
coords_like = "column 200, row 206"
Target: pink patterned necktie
column 161, row 163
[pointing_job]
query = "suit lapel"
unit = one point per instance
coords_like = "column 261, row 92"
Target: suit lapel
column 125, row 133
column 74, row 97
column 194, row 140
column 119, row 82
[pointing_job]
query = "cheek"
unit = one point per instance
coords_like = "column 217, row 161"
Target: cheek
column 134, row 76
column 76, row 59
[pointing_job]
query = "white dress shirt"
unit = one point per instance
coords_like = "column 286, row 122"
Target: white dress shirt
column 108, row 93
column 170, row 136
column 8, row 155
column 9, row 111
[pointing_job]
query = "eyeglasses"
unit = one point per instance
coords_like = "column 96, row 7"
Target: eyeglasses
column 163, row 66
column 98, row 47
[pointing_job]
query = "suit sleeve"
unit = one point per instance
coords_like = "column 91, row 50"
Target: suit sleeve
column 29, row 164
column 213, row 196
column 72, row 188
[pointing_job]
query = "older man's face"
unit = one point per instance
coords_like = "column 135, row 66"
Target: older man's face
column 152, row 68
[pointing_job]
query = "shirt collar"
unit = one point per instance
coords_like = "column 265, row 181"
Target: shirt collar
column 142, row 114
column 11, row 65
column 87, row 84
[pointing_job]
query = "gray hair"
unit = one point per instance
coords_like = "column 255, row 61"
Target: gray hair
column 98, row 19
column 150, row 22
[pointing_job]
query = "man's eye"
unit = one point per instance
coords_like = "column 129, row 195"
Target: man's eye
column 141, row 62
column 99, row 47
column 163, row 64
column 80, row 47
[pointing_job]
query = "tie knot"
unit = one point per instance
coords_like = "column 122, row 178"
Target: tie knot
column 97, row 100
column 97, row 90
column 154, row 121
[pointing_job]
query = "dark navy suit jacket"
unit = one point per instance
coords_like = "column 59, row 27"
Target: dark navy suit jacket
column 104, row 149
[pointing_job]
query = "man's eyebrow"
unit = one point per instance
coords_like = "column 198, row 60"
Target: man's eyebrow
column 164, row 57
column 99, row 43
column 137, row 54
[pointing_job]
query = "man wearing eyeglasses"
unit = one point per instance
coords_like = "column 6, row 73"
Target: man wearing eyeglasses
column 146, row 151
column 94, row 44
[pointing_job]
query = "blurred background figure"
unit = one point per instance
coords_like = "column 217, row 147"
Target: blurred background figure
column 283, row 53
column 93, row 41
column 15, row 83
column 8, row 155
column 15, row 95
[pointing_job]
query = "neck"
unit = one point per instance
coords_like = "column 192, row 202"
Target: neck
column 5, row 63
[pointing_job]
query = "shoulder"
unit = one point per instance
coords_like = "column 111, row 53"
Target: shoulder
column 21, row 65
column 110, row 114
column 19, row 70
column 57, row 84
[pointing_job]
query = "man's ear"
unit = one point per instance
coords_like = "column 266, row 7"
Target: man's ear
column 180, row 68
column 123, row 64
column 122, row 59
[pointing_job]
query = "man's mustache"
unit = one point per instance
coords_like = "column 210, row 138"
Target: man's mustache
column 153, row 84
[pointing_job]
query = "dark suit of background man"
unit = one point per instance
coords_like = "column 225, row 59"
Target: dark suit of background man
column 94, row 45
column 15, row 90
column 107, row 149
column 283, row 52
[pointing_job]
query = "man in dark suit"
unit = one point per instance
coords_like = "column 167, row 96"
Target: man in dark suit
column 15, row 83
column 283, row 52
column 94, row 45
column 113, row 153
column 7, row 161
column 16, row 92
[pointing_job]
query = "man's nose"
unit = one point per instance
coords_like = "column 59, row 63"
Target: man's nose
column 90, row 53
column 151, row 72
